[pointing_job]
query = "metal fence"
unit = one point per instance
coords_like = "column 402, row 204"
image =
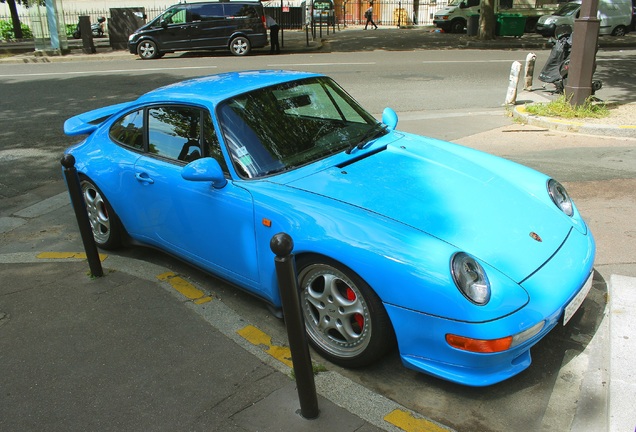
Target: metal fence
column 385, row 13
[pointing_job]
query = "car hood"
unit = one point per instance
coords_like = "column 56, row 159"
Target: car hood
column 448, row 196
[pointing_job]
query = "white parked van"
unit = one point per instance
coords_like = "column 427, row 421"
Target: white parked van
column 615, row 17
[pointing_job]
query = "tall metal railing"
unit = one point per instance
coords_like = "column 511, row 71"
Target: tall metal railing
column 351, row 12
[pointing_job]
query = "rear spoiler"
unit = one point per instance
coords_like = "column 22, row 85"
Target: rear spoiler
column 87, row 122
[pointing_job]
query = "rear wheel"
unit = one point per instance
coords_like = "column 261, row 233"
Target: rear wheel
column 107, row 230
column 148, row 50
column 345, row 320
column 240, row 46
column 620, row 31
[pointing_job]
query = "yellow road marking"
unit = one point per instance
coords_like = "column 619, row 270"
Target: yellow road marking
column 185, row 288
column 407, row 422
column 67, row 255
column 257, row 337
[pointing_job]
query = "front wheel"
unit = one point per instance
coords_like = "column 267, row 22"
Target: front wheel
column 148, row 50
column 457, row 26
column 240, row 46
column 345, row 319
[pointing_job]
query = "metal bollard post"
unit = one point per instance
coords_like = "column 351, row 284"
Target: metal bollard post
column 77, row 200
column 282, row 245
column 531, row 58
column 511, row 95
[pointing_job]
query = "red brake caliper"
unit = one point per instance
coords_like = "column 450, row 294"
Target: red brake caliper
column 351, row 296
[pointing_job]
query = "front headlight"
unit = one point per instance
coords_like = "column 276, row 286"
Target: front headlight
column 470, row 278
column 560, row 197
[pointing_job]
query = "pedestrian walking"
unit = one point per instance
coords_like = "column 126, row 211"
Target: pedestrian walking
column 368, row 14
column 273, row 34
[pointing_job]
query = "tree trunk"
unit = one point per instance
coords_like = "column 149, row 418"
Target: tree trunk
column 15, row 19
column 416, row 7
column 487, row 20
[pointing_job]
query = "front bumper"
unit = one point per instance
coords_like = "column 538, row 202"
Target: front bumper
column 421, row 337
column 546, row 30
column 443, row 24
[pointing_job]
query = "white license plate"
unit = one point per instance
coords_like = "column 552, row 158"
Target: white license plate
column 576, row 302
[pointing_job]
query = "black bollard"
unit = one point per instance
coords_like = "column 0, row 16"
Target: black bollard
column 77, row 201
column 282, row 245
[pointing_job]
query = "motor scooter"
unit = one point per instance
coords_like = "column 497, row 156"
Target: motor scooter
column 557, row 67
column 96, row 28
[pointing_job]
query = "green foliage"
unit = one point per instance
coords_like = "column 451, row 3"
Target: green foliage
column 6, row 31
column 27, row 3
column 561, row 107
column 70, row 28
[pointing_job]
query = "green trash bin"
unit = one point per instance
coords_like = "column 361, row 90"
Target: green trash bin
column 510, row 24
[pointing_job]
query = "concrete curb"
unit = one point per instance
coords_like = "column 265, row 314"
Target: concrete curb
column 565, row 125
column 622, row 351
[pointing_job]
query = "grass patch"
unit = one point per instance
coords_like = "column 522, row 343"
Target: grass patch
column 561, row 107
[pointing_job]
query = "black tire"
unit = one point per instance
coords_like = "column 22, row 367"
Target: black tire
column 108, row 231
column 619, row 31
column 148, row 50
column 240, row 46
column 457, row 26
column 345, row 320
column 531, row 25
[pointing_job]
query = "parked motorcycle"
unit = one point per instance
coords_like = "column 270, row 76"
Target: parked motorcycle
column 556, row 69
column 96, row 28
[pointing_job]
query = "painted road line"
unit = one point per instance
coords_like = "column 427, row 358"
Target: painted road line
column 45, row 206
column 106, row 71
column 38, row 209
column 257, row 337
column 66, row 255
column 409, row 423
column 185, row 288
column 10, row 223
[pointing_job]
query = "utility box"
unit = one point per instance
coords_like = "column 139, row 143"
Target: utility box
column 510, row 24
column 122, row 23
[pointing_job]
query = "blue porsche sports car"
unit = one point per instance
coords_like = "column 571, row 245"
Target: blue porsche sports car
column 462, row 259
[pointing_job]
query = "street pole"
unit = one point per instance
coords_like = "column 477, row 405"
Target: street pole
column 583, row 58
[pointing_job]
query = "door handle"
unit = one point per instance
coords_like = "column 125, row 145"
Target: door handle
column 144, row 178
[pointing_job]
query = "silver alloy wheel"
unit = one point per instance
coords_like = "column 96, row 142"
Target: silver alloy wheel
column 240, row 46
column 147, row 50
column 97, row 213
column 336, row 313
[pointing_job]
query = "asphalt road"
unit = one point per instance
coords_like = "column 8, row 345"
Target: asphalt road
column 448, row 94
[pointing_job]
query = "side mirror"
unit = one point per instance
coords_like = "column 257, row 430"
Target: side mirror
column 389, row 118
column 463, row 5
column 163, row 23
column 205, row 170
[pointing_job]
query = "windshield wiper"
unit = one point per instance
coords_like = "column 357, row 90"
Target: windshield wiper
column 372, row 133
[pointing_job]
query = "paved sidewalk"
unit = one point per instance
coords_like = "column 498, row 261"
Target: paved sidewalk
column 82, row 353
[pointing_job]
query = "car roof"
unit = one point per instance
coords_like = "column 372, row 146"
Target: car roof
column 213, row 89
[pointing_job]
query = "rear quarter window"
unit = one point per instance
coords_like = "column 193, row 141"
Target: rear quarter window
column 129, row 130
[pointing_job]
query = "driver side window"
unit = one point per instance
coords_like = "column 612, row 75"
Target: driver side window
column 175, row 133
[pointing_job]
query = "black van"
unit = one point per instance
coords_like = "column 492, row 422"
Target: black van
column 235, row 25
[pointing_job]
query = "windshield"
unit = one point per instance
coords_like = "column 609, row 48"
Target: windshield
column 278, row 128
column 567, row 9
